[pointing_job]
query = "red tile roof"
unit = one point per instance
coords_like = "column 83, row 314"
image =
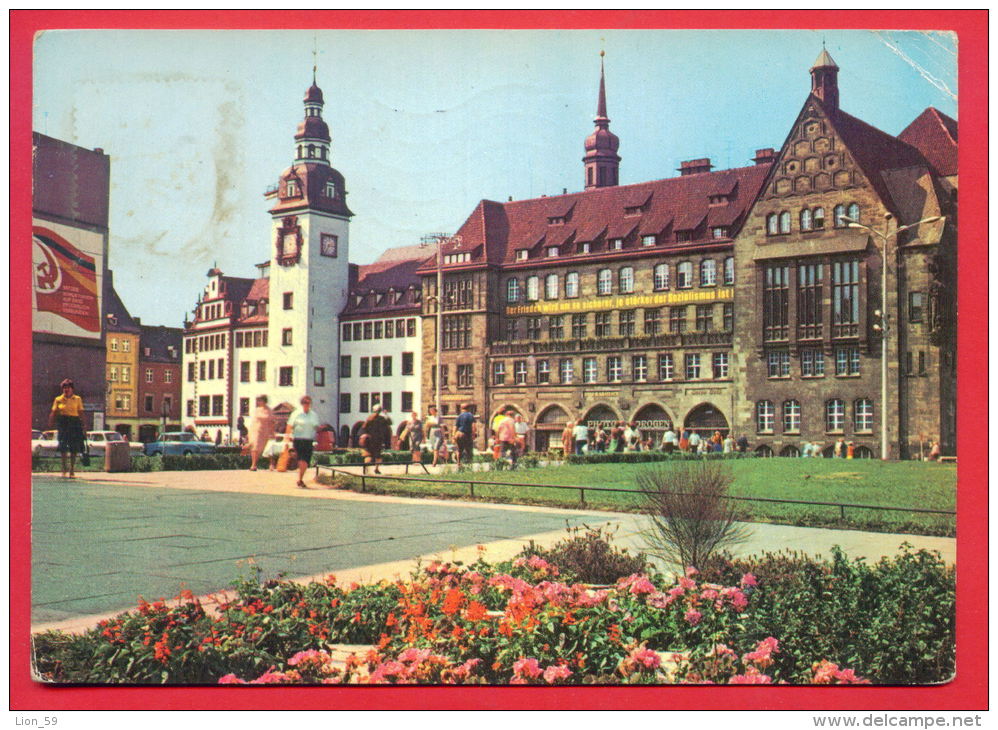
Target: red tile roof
column 395, row 269
column 934, row 135
column 495, row 231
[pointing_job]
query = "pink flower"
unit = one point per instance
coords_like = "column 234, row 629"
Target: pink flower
column 693, row 617
column 752, row 676
column 303, row 655
column 722, row 650
column 709, row 594
column 691, row 571
column 736, row 597
column 638, row 584
column 687, row 584
column 646, row 658
column 749, row 580
column 763, row 654
column 676, row 592
column 414, row 656
column 231, row 679
column 527, row 667
column 660, row 600
column 556, row 672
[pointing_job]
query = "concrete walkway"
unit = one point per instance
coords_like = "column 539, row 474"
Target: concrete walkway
column 101, row 541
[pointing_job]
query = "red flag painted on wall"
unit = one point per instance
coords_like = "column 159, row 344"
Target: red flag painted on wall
column 65, row 279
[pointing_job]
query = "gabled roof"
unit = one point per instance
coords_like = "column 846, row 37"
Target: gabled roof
column 260, row 289
column 158, row 340
column 497, row 230
column 934, row 135
column 118, row 318
column 394, row 270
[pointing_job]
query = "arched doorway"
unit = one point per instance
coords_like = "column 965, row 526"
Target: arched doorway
column 653, row 422
column 863, row 452
column 355, row 433
column 344, row 436
column 705, row 419
column 550, row 423
column 764, row 451
column 789, row 451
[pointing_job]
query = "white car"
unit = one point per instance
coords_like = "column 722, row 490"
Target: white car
column 45, row 443
column 97, row 442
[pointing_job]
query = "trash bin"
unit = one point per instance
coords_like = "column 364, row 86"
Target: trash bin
column 117, row 456
column 324, row 439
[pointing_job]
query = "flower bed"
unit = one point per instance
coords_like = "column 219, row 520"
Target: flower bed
column 520, row 622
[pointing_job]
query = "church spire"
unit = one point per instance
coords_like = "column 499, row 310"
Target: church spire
column 312, row 138
column 825, row 80
column 601, row 161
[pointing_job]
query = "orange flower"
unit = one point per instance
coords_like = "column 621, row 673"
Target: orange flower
column 453, row 601
column 476, row 611
column 390, row 621
column 505, row 629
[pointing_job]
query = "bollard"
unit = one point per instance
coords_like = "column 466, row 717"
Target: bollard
column 363, row 483
column 471, row 489
column 842, row 512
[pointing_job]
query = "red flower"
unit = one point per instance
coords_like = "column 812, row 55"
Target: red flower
column 453, row 601
column 476, row 611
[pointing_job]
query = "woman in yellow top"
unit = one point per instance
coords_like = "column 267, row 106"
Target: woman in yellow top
column 67, row 415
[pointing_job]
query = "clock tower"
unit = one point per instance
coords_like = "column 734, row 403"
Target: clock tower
column 309, row 270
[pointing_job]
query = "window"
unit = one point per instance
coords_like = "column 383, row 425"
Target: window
column 126, row 374
column 410, row 327
column 921, row 363
column 520, row 372
column 556, row 327
column 147, row 402
column 602, row 324
column 677, row 320
column 764, row 416
column 126, row 345
column 522, row 254
column 589, row 370
column 805, row 219
column 863, row 416
column 772, row 224
column 386, row 366
column 718, row 232
column 626, row 280
column 791, row 416
column 572, row 284
column 217, row 403
column 692, row 366
column 809, row 301
column 261, row 371
column 357, row 331
column 778, row 363
column 291, row 189
column 344, row 402
column 289, row 300
column 666, row 366
column 653, row 321
column 244, row 371
column 368, row 330
column 191, row 372
column 625, row 323
column 552, row 252
column 847, row 361
column 566, row 371
column 168, row 376
column 909, row 364
column 204, row 406
column 390, row 324
column 114, row 345
column 375, row 367
column 319, row 377
column 406, row 401
column 812, row 362
column 378, row 330
column 639, row 367
column 845, row 298
column 853, row 212
column 578, row 326
column 785, row 222
column 457, row 332
column 543, row 371
column 285, row 376
column 365, row 400
column 819, row 218
column 330, row 189
column 915, row 306
column 244, row 407
column 533, row 328
column 408, row 363
column 720, row 365
column 684, row 275
column 202, row 374
column 729, row 271
column 614, row 369
column 365, row 367
column 728, row 316
column 148, row 375
column 513, row 290
column 386, row 401
column 708, row 272
column 551, row 286
column 835, row 415
column 705, row 317
column 465, row 375
column 346, row 362
column 660, row 278
column 190, row 409
column 647, row 240
column 511, row 327
column 604, row 282
column 498, row 373
column 167, row 404
column 775, row 298
column 445, row 372
column 533, row 289
column 211, row 371
column 616, row 244
column 839, row 213
column 586, row 247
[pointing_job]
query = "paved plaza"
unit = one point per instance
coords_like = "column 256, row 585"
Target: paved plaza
column 100, row 541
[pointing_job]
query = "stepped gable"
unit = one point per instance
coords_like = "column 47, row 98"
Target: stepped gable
column 495, row 231
column 934, row 134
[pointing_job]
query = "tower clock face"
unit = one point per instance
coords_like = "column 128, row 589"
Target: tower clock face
column 291, row 243
column 328, row 244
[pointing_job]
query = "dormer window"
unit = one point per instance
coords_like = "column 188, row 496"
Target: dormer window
column 522, row 254
column 634, row 210
column 719, row 232
column 684, row 236
column 552, row 252
column 330, row 189
column 586, row 247
column 718, row 199
column 457, row 258
column 648, row 240
column 292, row 189
column 616, row 244
column 556, row 220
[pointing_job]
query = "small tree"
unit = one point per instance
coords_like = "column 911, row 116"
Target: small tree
column 691, row 519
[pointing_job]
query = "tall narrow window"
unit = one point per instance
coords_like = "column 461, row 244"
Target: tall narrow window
column 520, row 372
column 498, row 373
column 551, row 286
column 639, row 367
column 626, row 280
column 915, row 306
column 666, row 366
column 845, row 298
column 728, row 316
column 566, row 371
column 785, row 222
column 853, row 212
column 602, row 324
column 812, row 362
column 572, row 284
column 819, row 218
column 863, row 415
column 764, row 416
column 805, row 219
column 653, row 321
column 660, row 281
column 775, row 310
column 604, row 281
column 684, row 275
column 719, row 365
column 533, row 288
column 708, row 272
column 729, row 271
column 791, row 416
column 835, row 415
column 692, row 366
column 839, row 213
column 556, row 326
column 809, row 301
column 625, row 323
column 589, row 370
column 578, row 326
column 705, row 317
column 513, row 290
column 772, row 224
column 614, row 369
column 543, row 371
column 677, row 320
column 533, row 328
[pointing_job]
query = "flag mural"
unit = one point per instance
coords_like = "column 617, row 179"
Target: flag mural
column 66, row 286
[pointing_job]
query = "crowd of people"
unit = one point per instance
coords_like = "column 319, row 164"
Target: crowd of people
column 578, row 438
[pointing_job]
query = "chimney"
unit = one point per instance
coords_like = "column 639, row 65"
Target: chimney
column 765, row 156
column 354, row 275
column 692, row 167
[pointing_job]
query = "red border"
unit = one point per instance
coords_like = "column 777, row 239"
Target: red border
column 969, row 689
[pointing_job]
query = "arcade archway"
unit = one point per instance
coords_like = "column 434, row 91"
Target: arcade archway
column 547, row 430
column 705, row 419
column 653, row 421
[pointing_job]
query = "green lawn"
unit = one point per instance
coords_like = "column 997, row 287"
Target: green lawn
column 866, row 482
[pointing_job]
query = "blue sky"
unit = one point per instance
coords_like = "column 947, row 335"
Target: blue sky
column 424, row 123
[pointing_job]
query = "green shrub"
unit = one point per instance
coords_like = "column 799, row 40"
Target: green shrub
column 588, row 555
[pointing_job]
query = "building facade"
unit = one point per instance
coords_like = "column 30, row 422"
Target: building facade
column 123, row 336
column 158, row 381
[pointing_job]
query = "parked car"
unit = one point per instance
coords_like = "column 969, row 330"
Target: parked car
column 45, row 443
column 183, row 443
column 97, row 442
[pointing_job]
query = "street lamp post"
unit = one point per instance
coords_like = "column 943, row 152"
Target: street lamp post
column 883, row 326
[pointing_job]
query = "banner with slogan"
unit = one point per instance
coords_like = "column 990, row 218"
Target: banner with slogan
column 623, row 301
column 66, row 282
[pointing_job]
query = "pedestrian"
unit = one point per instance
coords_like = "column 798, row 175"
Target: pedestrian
column 620, row 443
column 506, row 437
column 434, row 429
column 850, row 450
column 743, row 444
column 840, row 448
column 522, row 429
column 581, row 436
column 465, row 434
column 375, row 435
column 934, row 452
column 729, row 444
column 632, row 437
column 684, row 440
column 716, row 442
column 205, row 437
column 261, row 430
column 413, row 433
column 568, row 439
column 601, row 440
column 242, row 430
column 694, row 442
column 218, row 437
column 67, row 416
column 302, row 426
column 669, row 440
